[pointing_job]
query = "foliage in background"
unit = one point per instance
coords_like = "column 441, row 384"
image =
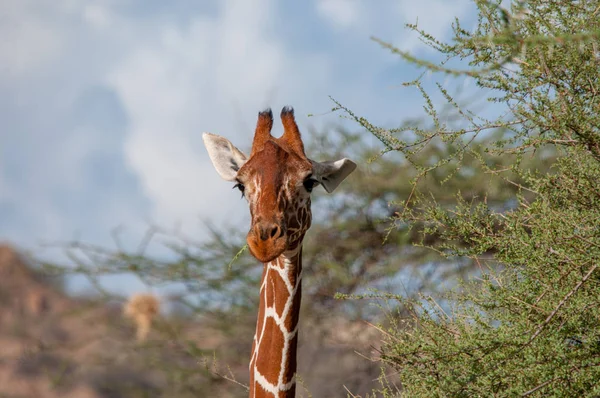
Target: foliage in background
column 529, row 325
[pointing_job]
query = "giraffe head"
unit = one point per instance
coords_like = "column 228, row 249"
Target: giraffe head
column 276, row 180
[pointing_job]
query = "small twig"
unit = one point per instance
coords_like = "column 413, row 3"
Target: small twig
column 229, row 377
column 237, row 255
column 379, row 329
column 146, row 239
column 562, row 302
column 538, row 387
column 535, row 307
column 351, row 395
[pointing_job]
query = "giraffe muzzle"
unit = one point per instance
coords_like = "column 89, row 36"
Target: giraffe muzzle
column 267, row 240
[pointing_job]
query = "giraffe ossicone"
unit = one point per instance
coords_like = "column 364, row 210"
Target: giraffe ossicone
column 276, row 180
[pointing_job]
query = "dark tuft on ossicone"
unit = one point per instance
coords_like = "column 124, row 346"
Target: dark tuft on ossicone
column 266, row 113
column 287, row 111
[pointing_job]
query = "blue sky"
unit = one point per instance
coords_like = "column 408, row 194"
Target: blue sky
column 103, row 102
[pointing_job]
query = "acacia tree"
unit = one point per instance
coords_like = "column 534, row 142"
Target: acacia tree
column 529, row 324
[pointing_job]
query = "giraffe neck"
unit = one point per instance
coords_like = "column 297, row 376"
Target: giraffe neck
column 273, row 362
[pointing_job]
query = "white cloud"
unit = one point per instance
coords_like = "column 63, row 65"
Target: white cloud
column 191, row 79
column 48, row 61
column 29, row 41
column 341, row 13
column 97, row 15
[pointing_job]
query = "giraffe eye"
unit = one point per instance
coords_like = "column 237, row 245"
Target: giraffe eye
column 310, row 183
column 241, row 187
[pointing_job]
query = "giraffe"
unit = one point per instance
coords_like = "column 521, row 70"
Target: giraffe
column 276, row 180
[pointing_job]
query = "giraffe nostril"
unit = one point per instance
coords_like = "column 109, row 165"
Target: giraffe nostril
column 274, row 231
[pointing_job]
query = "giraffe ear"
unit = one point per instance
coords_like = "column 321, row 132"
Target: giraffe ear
column 226, row 158
column 331, row 174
